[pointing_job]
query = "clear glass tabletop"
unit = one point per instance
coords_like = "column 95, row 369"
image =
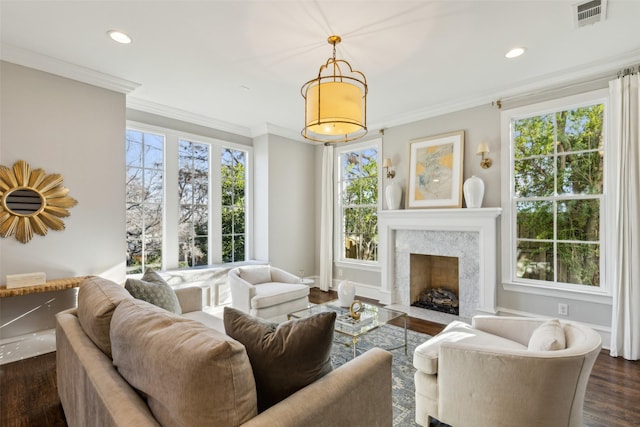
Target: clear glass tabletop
column 371, row 317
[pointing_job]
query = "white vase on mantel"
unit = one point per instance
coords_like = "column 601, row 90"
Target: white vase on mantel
column 393, row 195
column 473, row 192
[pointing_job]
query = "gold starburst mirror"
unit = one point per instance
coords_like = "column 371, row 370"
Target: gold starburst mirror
column 31, row 201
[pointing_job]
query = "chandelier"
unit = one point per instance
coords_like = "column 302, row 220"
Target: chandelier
column 335, row 107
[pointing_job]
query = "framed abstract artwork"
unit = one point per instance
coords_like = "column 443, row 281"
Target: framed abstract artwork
column 435, row 171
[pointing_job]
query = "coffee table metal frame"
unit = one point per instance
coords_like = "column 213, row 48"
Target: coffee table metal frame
column 381, row 316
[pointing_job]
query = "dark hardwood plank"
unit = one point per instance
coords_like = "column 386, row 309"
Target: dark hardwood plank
column 29, row 396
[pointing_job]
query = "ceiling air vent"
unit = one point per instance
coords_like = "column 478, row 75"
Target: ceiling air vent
column 590, row 12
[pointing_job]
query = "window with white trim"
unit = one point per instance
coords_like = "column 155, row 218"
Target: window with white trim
column 233, row 184
column 556, row 191
column 144, row 200
column 185, row 202
column 193, row 193
column 357, row 195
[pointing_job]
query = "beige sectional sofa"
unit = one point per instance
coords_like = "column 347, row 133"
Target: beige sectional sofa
column 124, row 362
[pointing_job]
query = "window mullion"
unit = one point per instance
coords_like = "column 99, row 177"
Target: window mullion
column 171, row 204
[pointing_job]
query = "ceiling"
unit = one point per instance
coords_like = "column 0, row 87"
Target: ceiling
column 239, row 65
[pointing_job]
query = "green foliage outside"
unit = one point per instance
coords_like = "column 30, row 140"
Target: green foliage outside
column 233, row 205
column 359, row 184
column 558, row 185
column 144, row 202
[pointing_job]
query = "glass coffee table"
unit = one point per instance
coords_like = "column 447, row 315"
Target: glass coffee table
column 372, row 317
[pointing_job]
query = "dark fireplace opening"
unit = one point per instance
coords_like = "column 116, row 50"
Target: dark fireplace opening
column 434, row 283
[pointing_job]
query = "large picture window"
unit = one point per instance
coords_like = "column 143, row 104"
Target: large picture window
column 556, row 193
column 185, row 202
column 358, row 203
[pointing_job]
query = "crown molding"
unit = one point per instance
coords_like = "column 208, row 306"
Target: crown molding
column 49, row 64
column 186, row 116
column 585, row 74
column 271, row 129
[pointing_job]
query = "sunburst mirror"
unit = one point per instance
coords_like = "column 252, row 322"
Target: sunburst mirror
column 31, row 201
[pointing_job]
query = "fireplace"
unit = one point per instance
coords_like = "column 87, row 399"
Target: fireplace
column 470, row 235
column 433, row 283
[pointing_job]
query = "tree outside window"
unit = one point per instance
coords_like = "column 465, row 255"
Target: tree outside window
column 144, row 200
column 201, row 219
column 233, row 183
column 358, row 192
column 557, row 192
column 193, row 189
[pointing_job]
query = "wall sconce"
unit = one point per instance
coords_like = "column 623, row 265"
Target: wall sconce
column 483, row 149
column 386, row 165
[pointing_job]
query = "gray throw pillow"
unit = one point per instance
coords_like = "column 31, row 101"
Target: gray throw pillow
column 153, row 289
column 286, row 357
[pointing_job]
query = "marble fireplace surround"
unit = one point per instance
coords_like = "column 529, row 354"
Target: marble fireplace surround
column 469, row 234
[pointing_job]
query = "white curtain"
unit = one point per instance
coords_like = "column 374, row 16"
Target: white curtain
column 625, row 325
column 326, row 220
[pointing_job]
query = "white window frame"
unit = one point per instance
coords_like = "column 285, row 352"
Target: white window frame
column 170, row 258
column 144, row 265
column 339, row 259
column 510, row 280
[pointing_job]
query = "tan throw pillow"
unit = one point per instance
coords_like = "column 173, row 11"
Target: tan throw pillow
column 549, row 336
column 189, row 374
column 153, row 289
column 285, row 357
column 97, row 299
column 256, row 274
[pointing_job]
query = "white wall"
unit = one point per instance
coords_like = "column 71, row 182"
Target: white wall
column 480, row 125
column 261, row 198
column 284, row 203
column 77, row 130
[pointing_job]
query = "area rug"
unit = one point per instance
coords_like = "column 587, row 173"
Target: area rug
column 402, row 369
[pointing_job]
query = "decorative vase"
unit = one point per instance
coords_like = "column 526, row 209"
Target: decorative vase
column 393, row 195
column 473, row 192
column 346, row 293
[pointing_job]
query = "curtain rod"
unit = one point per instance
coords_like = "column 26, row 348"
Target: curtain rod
column 624, row 72
column 628, row 71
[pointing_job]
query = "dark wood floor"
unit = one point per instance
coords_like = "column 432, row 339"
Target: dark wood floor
column 28, row 393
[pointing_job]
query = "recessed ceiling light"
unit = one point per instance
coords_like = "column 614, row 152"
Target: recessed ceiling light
column 119, row 36
column 515, row 52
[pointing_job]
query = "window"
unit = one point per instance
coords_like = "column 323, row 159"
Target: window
column 193, row 193
column 233, row 205
column 185, row 199
column 144, row 200
column 358, row 203
column 557, row 193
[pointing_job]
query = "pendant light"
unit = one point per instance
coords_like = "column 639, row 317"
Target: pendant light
column 335, row 102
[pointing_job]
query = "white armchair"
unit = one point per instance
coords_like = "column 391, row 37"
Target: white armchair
column 505, row 371
column 267, row 292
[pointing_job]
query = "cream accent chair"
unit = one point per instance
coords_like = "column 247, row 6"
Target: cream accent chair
column 491, row 373
column 266, row 291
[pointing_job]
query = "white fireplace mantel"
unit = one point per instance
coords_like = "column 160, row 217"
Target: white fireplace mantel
column 484, row 221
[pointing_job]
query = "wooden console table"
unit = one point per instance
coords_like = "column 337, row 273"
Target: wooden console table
column 50, row 285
